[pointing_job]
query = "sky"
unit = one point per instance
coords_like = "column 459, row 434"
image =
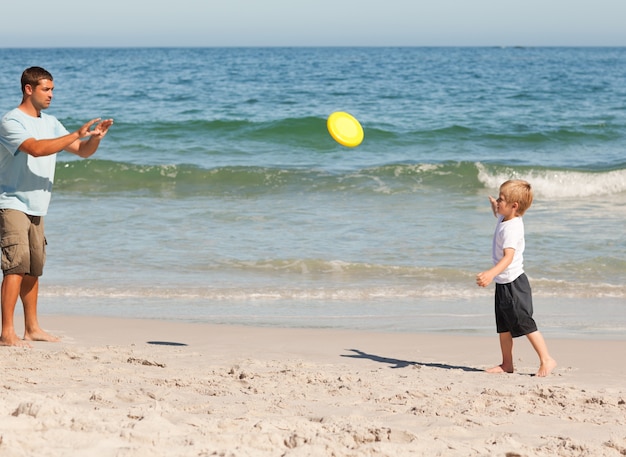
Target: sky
column 123, row 23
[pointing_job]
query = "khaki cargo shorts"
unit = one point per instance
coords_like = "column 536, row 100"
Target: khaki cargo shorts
column 23, row 243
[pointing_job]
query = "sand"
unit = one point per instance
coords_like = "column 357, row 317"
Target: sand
column 119, row 387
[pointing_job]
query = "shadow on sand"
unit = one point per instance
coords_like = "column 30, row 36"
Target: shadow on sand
column 396, row 363
column 166, row 343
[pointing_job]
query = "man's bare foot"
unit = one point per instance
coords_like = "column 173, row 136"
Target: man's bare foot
column 41, row 335
column 546, row 367
column 500, row 369
column 13, row 340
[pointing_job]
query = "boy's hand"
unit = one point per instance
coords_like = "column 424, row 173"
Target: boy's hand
column 483, row 279
column 494, row 205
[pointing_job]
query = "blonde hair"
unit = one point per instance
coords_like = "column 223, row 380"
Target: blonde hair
column 518, row 191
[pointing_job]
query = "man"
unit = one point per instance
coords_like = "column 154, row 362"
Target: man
column 29, row 142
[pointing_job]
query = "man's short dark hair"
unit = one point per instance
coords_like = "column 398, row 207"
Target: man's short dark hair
column 33, row 75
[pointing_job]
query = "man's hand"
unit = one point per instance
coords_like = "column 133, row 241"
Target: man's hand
column 98, row 132
column 87, row 148
column 101, row 129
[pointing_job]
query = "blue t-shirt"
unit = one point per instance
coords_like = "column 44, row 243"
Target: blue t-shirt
column 26, row 181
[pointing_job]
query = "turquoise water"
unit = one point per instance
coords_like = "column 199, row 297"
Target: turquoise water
column 218, row 195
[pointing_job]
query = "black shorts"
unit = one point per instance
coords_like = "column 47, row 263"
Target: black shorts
column 514, row 308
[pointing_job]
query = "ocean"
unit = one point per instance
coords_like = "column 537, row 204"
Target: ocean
column 218, row 195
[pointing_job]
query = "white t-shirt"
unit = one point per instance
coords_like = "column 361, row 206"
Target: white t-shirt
column 26, row 181
column 509, row 234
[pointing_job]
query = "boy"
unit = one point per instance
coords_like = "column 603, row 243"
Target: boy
column 514, row 308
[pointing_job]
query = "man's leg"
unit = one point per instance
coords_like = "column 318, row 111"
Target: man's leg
column 11, row 286
column 29, row 293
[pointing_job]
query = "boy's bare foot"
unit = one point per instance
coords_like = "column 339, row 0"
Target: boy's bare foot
column 41, row 335
column 546, row 367
column 500, row 369
column 13, row 340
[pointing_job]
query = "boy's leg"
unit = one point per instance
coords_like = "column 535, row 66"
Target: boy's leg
column 506, row 346
column 547, row 363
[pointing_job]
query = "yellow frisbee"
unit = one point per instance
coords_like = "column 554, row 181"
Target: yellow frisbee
column 345, row 129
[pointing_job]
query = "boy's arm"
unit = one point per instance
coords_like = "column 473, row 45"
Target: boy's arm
column 494, row 205
column 484, row 278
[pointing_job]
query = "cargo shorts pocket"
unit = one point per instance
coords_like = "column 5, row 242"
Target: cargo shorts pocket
column 13, row 252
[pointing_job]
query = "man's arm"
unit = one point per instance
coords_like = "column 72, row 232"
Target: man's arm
column 88, row 147
column 71, row 142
